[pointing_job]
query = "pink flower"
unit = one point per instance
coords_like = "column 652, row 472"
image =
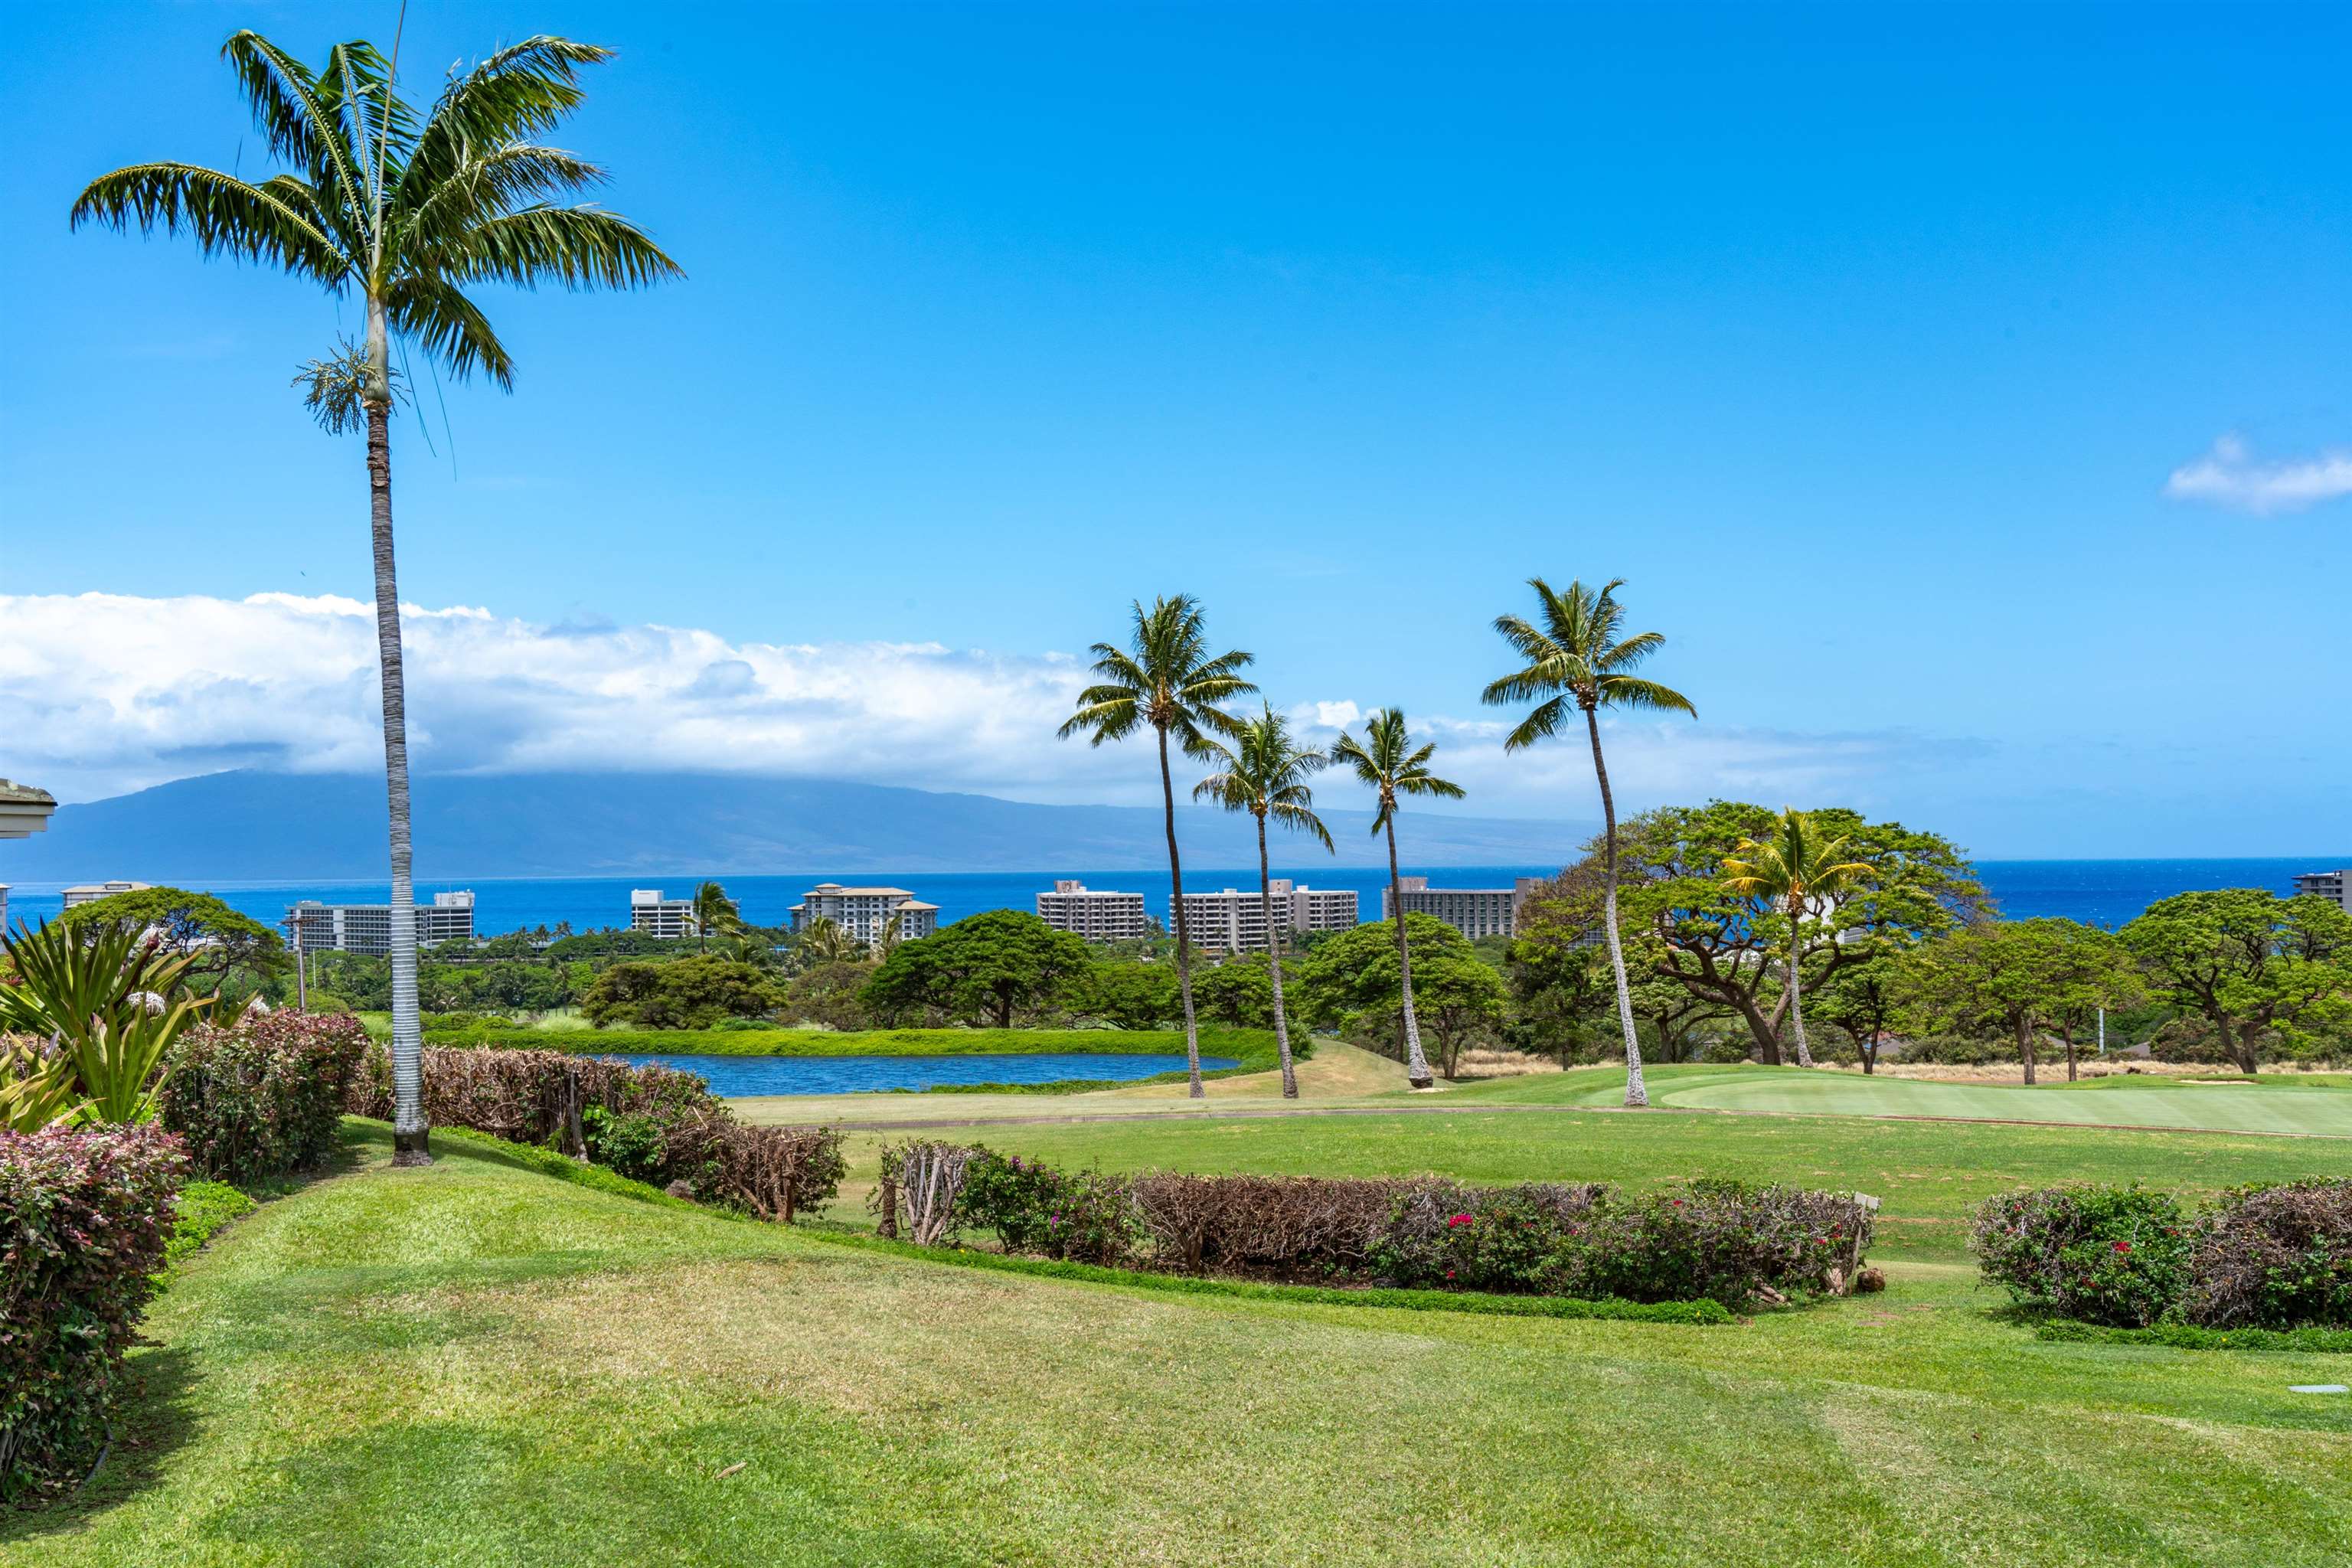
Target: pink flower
column 2122, row 1246
column 1457, row 1219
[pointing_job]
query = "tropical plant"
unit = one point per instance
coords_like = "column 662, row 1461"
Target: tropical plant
column 822, row 941
column 1577, row 655
column 1165, row 680
column 1264, row 772
column 1796, row 868
column 36, row 1090
column 1387, row 762
column 104, row 1000
column 714, row 915
column 405, row 211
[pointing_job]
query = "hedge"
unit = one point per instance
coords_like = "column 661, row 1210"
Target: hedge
column 261, row 1100
column 2276, row 1257
column 84, row 1221
column 649, row 1124
column 1722, row 1241
column 1697, row 1313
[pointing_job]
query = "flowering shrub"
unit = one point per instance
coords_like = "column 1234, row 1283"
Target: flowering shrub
column 2107, row 1254
column 84, row 1218
column 1034, row 1207
column 2274, row 1257
column 257, row 1101
column 1449, row 1236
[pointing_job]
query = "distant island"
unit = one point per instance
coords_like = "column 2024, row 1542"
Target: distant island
column 249, row 826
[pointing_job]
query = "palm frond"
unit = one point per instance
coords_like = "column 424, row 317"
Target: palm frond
column 577, row 247
column 1626, row 691
column 297, row 114
column 220, row 212
column 1539, row 725
column 448, row 326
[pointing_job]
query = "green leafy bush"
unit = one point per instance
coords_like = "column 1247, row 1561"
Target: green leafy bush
column 2110, row 1255
column 630, row 1142
column 2274, row 1257
column 84, row 1220
column 1444, row 1235
column 1083, row 1215
column 261, row 1100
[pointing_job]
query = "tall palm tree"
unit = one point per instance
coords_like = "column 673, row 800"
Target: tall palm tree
column 1164, row 679
column 1264, row 772
column 406, row 211
column 1794, row 869
column 714, row 915
column 1576, row 654
column 1387, row 762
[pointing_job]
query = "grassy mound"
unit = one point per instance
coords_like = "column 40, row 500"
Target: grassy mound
column 474, row 1362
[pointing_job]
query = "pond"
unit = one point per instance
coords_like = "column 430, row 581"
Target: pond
column 732, row 1077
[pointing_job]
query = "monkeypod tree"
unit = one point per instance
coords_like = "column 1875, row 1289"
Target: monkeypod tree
column 982, row 968
column 2247, row 961
column 1730, row 949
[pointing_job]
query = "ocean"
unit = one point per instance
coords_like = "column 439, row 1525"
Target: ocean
column 2106, row 892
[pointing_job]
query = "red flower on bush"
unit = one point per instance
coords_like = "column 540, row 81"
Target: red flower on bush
column 1457, row 1219
column 2122, row 1246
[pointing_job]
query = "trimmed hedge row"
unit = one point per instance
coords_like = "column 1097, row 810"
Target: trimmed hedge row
column 2269, row 1257
column 2181, row 1336
column 1720, row 1241
column 84, row 1220
column 652, row 1124
column 260, row 1101
column 1701, row 1312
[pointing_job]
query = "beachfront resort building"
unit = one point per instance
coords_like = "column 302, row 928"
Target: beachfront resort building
column 90, row 892
column 23, row 811
column 867, row 912
column 1234, row 920
column 669, row 919
column 2333, row 885
column 315, row 926
column 1473, row 912
column 1096, row 914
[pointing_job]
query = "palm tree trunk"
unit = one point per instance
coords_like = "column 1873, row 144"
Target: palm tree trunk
column 410, row 1135
column 1796, row 991
column 1416, row 1066
column 1274, row 963
column 1183, row 930
column 1637, row 1090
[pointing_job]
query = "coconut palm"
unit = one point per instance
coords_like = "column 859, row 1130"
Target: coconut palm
column 822, row 941
column 1165, row 680
column 1576, row 655
column 1387, row 762
column 405, row 211
column 714, row 915
column 1794, row 869
column 1264, row 772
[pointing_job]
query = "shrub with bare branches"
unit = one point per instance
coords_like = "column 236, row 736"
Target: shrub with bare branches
column 2274, row 1258
column 1291, row 1227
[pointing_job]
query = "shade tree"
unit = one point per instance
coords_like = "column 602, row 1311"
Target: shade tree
column 2249, row 961
column 984, row 968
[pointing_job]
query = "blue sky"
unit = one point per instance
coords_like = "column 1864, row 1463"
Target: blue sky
column 1865, row 343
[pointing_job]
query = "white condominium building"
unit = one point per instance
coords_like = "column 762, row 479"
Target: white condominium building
column 1473, row 912
column 90, row 892
column 865, row 912
column 1234, row 920
column 657, row 916
column 2333, row 885
column 1096, row 915
column 366, row 929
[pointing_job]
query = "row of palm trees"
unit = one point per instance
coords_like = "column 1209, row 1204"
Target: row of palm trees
column 1577, row 661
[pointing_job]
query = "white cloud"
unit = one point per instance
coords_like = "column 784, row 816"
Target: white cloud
column 2228, row 475
column 103, row 693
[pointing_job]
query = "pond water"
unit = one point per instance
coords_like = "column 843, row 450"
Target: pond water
column 731, row 1078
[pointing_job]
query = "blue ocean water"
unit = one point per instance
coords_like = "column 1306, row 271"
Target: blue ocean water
column 2107, row 892
column 731, row 1078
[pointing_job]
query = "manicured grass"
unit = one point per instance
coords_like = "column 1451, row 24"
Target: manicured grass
column 476, row 1364
column 2284, row 1105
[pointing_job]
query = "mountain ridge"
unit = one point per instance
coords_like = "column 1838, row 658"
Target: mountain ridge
column 253, row 826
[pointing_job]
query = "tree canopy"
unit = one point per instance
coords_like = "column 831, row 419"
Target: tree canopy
column 219, row 942
column 1686, row 927
column 1354, row 976
column 2249, row 961
column 982, row 968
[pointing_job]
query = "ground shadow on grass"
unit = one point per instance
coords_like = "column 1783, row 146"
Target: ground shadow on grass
column 154, row 1420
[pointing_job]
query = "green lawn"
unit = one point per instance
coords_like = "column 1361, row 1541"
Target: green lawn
column 475, row 1364
column 2274, row 1105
